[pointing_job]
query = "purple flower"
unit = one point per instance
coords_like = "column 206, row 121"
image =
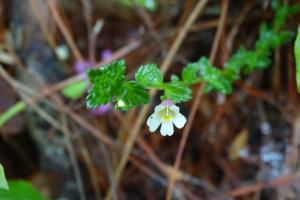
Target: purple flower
column 106, row 54
column 82, row 66
column 101, row 110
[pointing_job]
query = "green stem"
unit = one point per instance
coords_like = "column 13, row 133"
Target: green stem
column 11, row 112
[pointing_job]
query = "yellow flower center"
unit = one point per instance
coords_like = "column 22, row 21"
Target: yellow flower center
column 166, row 114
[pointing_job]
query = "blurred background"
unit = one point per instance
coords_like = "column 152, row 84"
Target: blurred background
column 240, row 146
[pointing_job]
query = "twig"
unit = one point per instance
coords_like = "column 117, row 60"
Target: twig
column 280, row 181
column 55, row 124
column 93, row 38
column 90, row 167
column 178, row 41
column 142, row 12
column 92, row 31
column 108, row 165
column 220, row 29
column 64, row 30
column 185, row 134
column 235, row 27
column 41, row 20
column 141, row 117
column 73, row 159
column 293, row 98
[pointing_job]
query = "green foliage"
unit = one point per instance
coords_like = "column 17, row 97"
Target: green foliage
column 282, row 11
column 190, row 73
column 3, row 182
column 107, row 84
column 297, row 56
column 20, row 190
column 149, row 75
column 213, row 77
column 134, row 94
column 269, row 39
column 245, row 61
column 177, row 92
column 75, row 90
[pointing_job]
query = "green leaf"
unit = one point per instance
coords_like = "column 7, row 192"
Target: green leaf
column 190, row 72
column 20, row 190
column 269, row 39
column 282, row 12
column 297, row 56
column 148, row 75
column 232, row 68
column 3, row 182
column 107, row 84
column 75, row 90
column 213, row 77
column 134, row 94
column 177, row 92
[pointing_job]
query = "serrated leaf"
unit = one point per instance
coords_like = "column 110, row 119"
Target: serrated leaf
column 297, row 56
column 20, row 190
column 148, row 75
column 177, row 92
column 3, row 182
column 75, row 90
column 213, row 77
column 106, row 82
column 190, row 72
column 134, row 95
column 269, row 39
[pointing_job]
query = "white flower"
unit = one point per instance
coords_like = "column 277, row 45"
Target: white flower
column 166, row 114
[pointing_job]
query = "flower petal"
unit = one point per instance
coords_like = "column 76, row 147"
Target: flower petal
column 179, row 120
column 153, row 122
column 158, row 108
column 167, row 128
column 174, row 108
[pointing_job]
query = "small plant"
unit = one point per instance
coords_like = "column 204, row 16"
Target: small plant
column 110, row 85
